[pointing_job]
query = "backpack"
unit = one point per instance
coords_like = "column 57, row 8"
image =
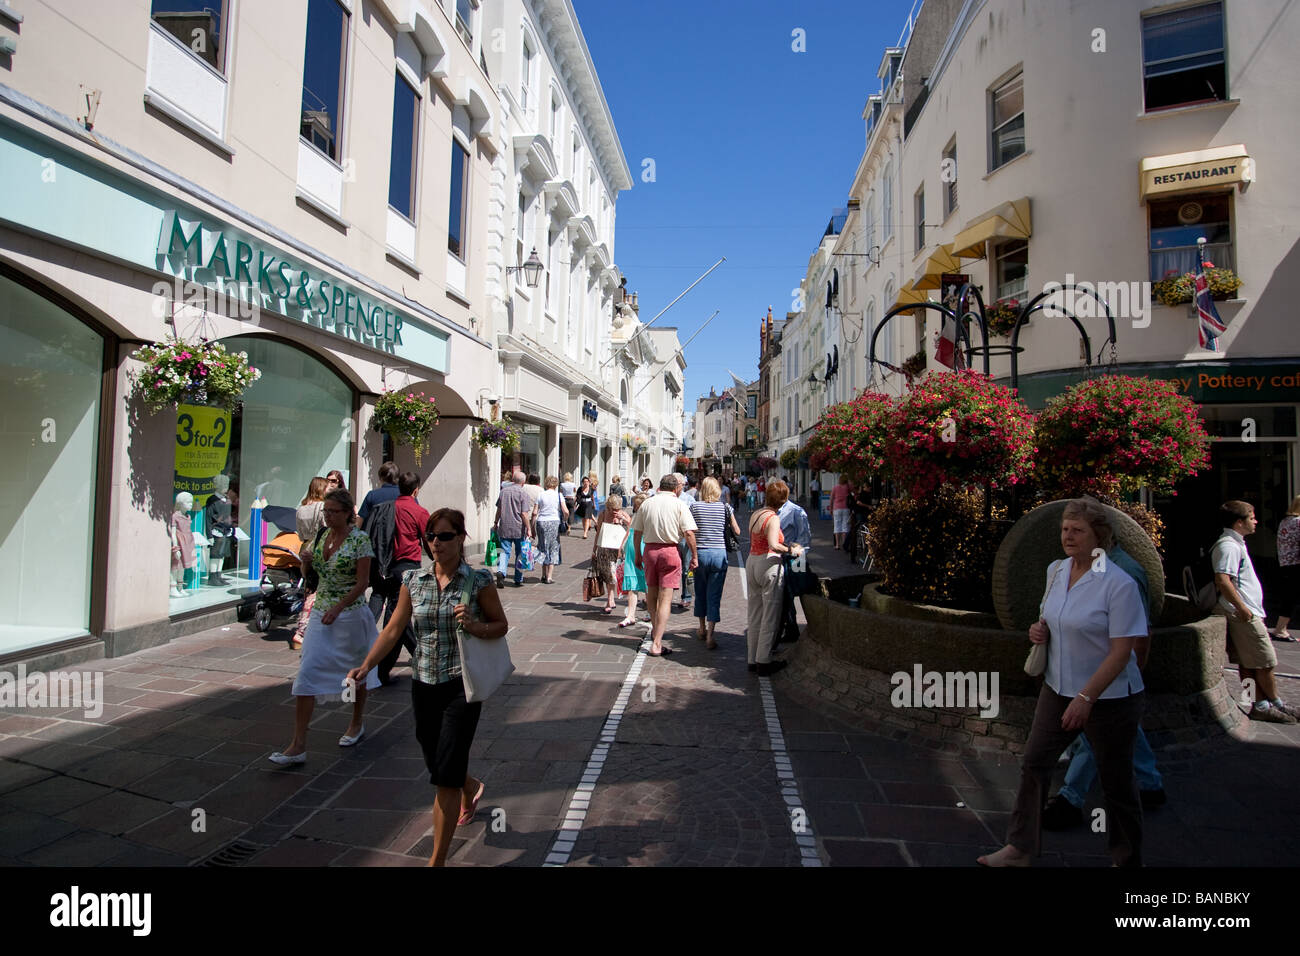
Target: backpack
column 381, row 527
column 1198, row 580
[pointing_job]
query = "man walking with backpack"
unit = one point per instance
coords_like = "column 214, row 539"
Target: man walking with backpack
column 1242, row 599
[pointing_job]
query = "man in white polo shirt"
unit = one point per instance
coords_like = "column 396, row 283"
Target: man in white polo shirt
column 660, row 523
column 1242, row 599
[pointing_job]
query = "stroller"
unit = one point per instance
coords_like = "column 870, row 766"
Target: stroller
column 282, row 591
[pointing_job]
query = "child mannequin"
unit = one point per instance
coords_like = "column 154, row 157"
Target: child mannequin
column 182, row 540
column 221, row 530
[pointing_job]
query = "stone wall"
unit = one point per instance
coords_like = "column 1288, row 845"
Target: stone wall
column 844, row 661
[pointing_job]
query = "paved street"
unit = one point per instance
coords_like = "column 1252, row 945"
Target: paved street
column 592, row 755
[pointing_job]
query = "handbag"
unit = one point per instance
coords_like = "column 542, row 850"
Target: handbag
column 612, row 535
column 592, row 587
column 484, row 663
column 311, row 577
column 731, row 538
column 1036, row 662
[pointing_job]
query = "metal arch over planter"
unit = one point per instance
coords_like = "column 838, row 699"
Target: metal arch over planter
column 1037, row 303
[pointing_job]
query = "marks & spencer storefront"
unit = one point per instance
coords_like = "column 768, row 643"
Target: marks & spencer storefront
column 94, row 263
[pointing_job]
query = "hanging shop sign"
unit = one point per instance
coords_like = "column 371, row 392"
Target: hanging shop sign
column 202, row 447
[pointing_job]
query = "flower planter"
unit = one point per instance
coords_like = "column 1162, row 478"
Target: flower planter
column 846, row 658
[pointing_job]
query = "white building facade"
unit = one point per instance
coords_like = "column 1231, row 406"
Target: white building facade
column 558, row 171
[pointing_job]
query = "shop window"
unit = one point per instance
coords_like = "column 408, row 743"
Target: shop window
column 1008, row 133
column 199, row 29
column 465, row 21
column 50, row 373
column 1176, row 224
column 402, row 162
column 1183, row 57
column 323, row 75
column 919, row 203
column 459, row 200
column 295, row 424
column 1013, row 269
column 526, row 74
column 948, row 176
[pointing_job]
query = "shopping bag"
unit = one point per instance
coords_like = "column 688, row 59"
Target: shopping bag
column 485, row 664
column 527, row 555
column 493, row 548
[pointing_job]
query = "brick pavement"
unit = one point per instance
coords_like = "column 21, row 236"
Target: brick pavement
column 689, row 780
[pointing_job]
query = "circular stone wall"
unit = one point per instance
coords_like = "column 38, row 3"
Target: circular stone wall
column 1034, row 542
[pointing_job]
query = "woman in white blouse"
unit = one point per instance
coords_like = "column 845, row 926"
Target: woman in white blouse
column 1092, row 616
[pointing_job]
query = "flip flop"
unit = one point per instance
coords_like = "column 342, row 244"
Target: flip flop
column 467, row 816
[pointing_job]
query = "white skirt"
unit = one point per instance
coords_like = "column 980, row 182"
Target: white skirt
column 330, row 651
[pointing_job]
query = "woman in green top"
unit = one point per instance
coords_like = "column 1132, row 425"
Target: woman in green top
column 341, row 629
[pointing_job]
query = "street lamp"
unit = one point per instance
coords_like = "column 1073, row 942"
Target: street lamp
column 532, row 270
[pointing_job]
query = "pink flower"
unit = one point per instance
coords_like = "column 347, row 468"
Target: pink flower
column 411, row 417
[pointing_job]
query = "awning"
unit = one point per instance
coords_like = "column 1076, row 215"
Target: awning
column 907, row 295
column 940, row 262
column 1178, row 172
column 1007, row 221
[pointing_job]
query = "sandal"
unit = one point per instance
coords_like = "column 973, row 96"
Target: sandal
column 665, row 652
column 626, row 623
column 467, row 815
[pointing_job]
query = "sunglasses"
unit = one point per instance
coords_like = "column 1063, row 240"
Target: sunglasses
column 444, row 536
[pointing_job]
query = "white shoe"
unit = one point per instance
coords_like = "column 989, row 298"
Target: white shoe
column 286, row 760
column 346, row 741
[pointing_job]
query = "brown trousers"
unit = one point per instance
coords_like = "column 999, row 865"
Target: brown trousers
column 1112, row 731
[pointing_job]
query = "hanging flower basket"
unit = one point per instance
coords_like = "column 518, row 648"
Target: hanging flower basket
column 195, row 373
column 504, row 434
column 1180, row 289
column 790, row 458
column 914, row 365
column 1001, row 316
column 628, row 439
column 641, row 446
column 683, row 461
column 408, row 418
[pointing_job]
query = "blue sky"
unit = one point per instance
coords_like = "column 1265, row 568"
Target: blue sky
column 753, row 144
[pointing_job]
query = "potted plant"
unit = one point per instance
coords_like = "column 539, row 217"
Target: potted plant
column 503, row 434
column 852, row 437
column 914, row 365
column 1118, row 433
column 961, row 430
column 195, row 373
column 1176, row 289
column 1000, row 318
column 407, row 418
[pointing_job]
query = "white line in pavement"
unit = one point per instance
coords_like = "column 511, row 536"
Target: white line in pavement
column 567, row 836
column 798, row 814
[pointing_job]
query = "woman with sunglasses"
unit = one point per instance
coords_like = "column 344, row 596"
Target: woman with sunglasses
column 341, row 626
column 433, row 602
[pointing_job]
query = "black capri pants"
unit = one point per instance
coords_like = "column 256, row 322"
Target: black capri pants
column 444, row 725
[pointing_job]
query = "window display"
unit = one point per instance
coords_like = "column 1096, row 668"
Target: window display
column 295, row 424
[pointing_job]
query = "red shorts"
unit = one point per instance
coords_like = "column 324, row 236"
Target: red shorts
column 663, row 566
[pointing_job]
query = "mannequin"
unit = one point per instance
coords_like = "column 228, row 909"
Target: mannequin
column 221, row 529
column 182, row 539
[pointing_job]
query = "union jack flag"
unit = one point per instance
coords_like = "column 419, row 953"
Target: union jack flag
column 1209, row 325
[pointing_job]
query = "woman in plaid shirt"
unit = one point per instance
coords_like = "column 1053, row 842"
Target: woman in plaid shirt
column 430, row 601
